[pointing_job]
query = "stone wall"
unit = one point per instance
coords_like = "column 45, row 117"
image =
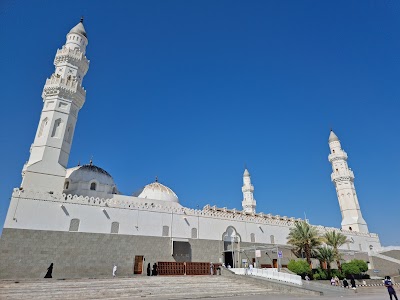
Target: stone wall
column 393, row 254
column 28, row 253
column 384, row 267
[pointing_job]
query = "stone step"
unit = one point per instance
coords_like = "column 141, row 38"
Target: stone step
column 179, row 287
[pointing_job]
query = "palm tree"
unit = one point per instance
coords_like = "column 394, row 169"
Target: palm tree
column 325, row 254
column 305, row 238
column 335, row 240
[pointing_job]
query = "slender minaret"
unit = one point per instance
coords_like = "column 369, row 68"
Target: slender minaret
column 63, row 97
column 343, row 179
column 248, row 203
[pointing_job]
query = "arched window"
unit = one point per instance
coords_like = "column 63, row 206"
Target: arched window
column 66, row 185
column 114, row 190
column 74, row 225
column 165, row 231
column 68, row 134
column 360, row 246
column 42, row 126
column 194, row 233
column 350, row 228
column 57, row 128
column 114, row 227
column 252, row 238
column 93, row 186
column 272, row 239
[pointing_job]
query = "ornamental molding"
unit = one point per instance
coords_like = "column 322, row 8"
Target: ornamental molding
column 64, row 88
column 148, row 205
column 73, row 57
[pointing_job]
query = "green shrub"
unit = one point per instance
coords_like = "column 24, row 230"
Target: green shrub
column 321, row 274
column 337, row 273
column 355, row 266
column 317, row 276
column 362, row 265
column 300, row 267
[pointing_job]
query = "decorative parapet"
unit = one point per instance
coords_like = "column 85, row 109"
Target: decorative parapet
column 147, row 204
column 72, row 56
column 65, row 88
column 323, row 229
column 344, row 175
column 337, row 156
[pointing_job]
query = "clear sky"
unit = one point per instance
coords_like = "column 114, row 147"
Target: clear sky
column 191, row 91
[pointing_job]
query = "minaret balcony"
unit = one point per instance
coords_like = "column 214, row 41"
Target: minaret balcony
column 342, row 175
column 337, row 156
column 72, row 56
column 64, row 87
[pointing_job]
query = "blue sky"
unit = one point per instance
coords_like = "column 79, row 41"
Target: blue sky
column 191, row 91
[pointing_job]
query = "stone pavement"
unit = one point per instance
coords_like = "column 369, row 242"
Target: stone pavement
column 160, row 287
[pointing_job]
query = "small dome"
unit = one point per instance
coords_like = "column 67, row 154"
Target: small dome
column 157, row 191
column 79, row 29
column 333, row 137
column 87, row 173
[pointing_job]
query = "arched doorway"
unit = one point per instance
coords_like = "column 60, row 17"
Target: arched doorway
column 231, row 241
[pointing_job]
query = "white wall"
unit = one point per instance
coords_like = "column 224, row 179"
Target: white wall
column 38, row 211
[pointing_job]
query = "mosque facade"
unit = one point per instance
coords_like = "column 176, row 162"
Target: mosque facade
column 77, row 219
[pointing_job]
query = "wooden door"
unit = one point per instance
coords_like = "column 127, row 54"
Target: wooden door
column 275, row 263
column 138, row 266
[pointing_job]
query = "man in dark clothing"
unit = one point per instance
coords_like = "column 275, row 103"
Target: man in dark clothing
column 389, row 285
column 155, row 271
column 353, row 282
column 148, row 270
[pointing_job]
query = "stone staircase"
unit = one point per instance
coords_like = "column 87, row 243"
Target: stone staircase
column 159, row 287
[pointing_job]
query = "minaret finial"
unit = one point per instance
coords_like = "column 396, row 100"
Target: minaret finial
column 91, row 161
column 79, row 163
column 156, row 178
column 82, row 19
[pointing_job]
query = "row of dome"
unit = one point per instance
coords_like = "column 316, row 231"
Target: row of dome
column 93, row 181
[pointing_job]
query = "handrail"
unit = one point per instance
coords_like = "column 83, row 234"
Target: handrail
column 270, row 274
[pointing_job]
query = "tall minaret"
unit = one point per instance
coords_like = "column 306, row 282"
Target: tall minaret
column 343, row 179
column 63, row 97
column 248, row 203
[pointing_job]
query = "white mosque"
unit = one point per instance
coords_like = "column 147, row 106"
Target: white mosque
column 77, row 219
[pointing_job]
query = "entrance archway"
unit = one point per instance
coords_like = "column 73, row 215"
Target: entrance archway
column 231, row 241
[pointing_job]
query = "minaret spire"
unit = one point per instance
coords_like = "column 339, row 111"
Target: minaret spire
column 343, row 179
column 63, row 97
column 248, row 203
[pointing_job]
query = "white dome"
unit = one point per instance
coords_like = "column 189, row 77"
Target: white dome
column 79, row 29
column 333, row 137
column 87, row 173
column 157, row 191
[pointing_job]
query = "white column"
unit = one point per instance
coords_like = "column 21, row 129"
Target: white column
column 63, row 97
column 248, row 203
column 343, row 179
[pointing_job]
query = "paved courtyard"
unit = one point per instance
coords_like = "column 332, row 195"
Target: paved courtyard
column 161, row 287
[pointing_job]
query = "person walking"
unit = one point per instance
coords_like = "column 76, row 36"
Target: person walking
column 211, row 268
column 49, row 273
column 389, row 286
column 353, row 282
column 148, row 269
column 114, row 270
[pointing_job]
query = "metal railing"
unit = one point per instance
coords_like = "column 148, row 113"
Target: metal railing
column 269, row 274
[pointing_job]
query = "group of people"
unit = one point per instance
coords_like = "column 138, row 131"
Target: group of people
column 152, row 271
